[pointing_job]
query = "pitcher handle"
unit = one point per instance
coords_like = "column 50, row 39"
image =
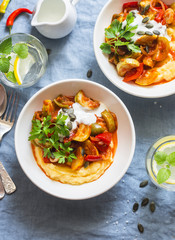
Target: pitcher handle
column 74, row 2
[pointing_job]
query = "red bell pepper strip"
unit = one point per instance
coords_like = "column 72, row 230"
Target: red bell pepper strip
column 130, row 5
column 159, row 16
column 106, row 137
column 13, row 15
column 133, row 73
column 93, row 158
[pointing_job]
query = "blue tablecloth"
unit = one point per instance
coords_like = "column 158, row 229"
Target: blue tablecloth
column 30, row 213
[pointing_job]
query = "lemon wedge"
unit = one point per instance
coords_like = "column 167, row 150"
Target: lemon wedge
column 22, row 67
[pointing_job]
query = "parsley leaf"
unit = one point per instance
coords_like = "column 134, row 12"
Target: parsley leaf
column 119, row 34
column 21, row 49
column 134, row 48
column 48, row 133
column 106, row 48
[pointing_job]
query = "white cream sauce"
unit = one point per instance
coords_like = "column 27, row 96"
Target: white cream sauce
column 84, row 115
column 142, row 26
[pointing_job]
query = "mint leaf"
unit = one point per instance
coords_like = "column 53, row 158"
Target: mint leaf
column 110, row 33
column 4, row 65
column 6, row 46
column 11, row 77
column 116, row 26
column 120, row 43
column 106, row 48
column 160, row 157
column 163, row 175
column 21, row 49
column 134, row 48
column 171, row 158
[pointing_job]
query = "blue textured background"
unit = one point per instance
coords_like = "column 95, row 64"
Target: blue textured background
column 32, row 214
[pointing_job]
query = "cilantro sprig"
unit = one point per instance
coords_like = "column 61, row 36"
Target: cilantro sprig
column 49, row 133
column 165, row 160
column 6, row 48
column 117, row 35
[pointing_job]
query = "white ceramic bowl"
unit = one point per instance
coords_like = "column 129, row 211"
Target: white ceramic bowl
column 123, row 156
column 103, row 21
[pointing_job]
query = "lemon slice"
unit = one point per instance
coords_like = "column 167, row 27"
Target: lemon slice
column 22, row 67
column 168, row 148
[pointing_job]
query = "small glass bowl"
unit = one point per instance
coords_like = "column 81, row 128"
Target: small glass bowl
column 156, row 146
column 39, row 56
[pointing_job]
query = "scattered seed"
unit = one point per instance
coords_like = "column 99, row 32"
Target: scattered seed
column 145, row 201
column 149, row 33
column 69, row 125
column 86, row 164
column 72, row 117
column 82, row 152
column 152, row 206
column 48, row 51
column 89, row 73
column 146, row 8
column 140, row 228
column 135, row 207
column 145, row 182
column 147, row 50
column 140, row 32
column 149, row 25
column 156, row 32
column 146, row 19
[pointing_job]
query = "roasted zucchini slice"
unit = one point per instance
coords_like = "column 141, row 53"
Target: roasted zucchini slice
column 86, row 102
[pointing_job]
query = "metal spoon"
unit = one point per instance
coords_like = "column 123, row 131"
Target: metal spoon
column 3, row 99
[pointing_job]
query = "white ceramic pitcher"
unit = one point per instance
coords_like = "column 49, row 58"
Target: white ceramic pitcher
column 54, row 18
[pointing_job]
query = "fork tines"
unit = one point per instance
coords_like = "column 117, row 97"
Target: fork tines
column 11, row 109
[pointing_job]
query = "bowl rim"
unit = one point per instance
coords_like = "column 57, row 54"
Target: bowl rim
column 133, row 136
column 136, row 93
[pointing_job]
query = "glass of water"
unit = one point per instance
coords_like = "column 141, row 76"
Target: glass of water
column 30, row 69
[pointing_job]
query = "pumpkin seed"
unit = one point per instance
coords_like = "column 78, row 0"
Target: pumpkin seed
column 147, row 50
column 156, row 32
column 152, row 206
column 146, row 19
column 149, row 25
column 48, row 51
column 72, row 117
column 86, row 164
column 135, row 207
column 145, row 182
column 145, row 201
column 69, row 125
column 146, row 8
column 89, row 73
column 140, row 32
column 149, row 33
column 140, row 228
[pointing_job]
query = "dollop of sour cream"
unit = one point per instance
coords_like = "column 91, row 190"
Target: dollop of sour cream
column 84, row 115
column 142, row 27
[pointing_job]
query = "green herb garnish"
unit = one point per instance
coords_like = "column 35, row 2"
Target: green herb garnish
column 49, row 134
column 166, row 160
column 6, row 48
column 116, row 35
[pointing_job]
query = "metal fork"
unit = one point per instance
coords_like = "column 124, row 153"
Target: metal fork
column 6, row 123
column 8, row 118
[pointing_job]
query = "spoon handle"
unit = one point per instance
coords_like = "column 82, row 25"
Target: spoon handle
column 2, row 192
column 8, row 183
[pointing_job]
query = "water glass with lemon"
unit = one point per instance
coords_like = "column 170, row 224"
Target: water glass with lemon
column 160, row 163
column 23, row 60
